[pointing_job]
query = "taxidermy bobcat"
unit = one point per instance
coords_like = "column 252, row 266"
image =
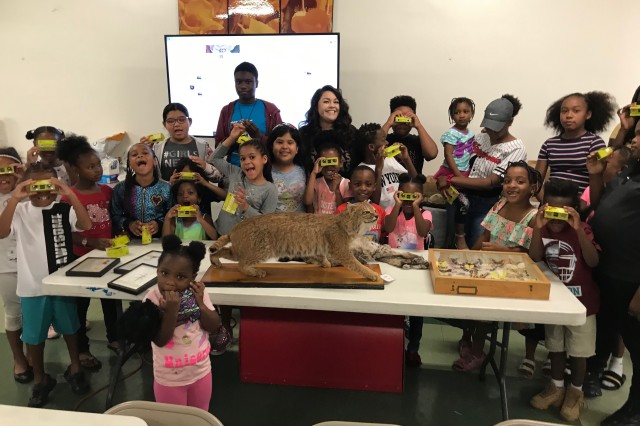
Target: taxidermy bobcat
column 308, row 235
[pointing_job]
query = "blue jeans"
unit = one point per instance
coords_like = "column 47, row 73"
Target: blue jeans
column 478, row 209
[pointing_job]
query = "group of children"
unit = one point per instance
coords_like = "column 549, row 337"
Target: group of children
column 277, row 174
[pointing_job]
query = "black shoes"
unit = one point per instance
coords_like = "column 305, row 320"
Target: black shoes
column 24, row 377
column 77, row 381
column 40, row 393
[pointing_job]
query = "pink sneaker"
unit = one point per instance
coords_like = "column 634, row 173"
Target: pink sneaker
column 469, row 362
column 221, row 340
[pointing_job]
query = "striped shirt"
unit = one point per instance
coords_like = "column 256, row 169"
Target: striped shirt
column 495, row 158
column 567, row 158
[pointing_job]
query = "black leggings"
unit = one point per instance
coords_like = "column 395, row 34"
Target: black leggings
column 614, row 318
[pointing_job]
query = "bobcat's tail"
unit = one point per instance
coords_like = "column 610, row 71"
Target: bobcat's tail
column 219, row 243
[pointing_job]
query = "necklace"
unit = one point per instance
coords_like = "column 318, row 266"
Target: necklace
column 250, row 112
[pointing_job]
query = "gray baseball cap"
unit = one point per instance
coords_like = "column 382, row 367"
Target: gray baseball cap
column 497, row 114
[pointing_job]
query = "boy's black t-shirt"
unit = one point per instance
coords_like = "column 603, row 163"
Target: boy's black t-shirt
column 412, row 142
column 616, row 226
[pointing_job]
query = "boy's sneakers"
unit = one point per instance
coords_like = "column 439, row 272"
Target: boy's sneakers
column 221, row 340
column 77, row 381
column 52, row 333
column 550, row 396
column 412, row 359
column 40, row 393
column 570, row 410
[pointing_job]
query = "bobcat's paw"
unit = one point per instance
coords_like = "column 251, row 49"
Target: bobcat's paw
column 215, row 262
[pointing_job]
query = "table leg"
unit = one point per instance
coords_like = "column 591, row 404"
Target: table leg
column 499, row 370
column 123, row 356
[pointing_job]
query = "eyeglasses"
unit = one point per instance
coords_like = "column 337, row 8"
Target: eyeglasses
column 180, row 120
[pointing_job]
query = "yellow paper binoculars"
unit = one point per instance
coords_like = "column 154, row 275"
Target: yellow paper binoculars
column 329, row 161
column 451, row 194
column 120, row 240
column 7, row 170
column 188, row 175
column 401, row 119
column 603, row 152
column 557, row 213
column 243, row 138
column 407, row 196
column 47, row 144
column 156, row 137
column 392, row 151
column 42, row 186
column 634, row 111
column 187, row 211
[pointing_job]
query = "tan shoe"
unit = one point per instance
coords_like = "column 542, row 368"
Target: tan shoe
column 550, row 396
column 570, row 410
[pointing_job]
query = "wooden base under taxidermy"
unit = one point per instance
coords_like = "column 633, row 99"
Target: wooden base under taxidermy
column 307, row 235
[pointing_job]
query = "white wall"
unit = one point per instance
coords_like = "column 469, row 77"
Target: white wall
column 97, row 67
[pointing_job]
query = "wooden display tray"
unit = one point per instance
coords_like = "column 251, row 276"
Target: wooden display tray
column 292, row 275
column 538, row 288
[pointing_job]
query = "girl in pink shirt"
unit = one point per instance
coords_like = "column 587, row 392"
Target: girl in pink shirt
column 181, row 366
column 408, row 226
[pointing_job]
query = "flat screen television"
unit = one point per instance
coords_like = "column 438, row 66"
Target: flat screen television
column 291, row 67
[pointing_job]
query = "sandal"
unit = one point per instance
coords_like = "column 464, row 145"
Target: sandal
column 611, row 380
column 464, row 347
column 527, row 368
column 469, row 363
column 77, row 381
column 89, row 362
column 24, row 377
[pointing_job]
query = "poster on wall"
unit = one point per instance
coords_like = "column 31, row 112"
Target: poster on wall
column 255, row 16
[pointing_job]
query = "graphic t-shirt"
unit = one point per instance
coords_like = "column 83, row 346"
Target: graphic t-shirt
column 376, row 230
column 43, row 243
column 391, row 172
column 173, row 153
column 563, row 254
column 185, row 358
column 254, row 112
column 324, row 200
column 405, row 235
column 290, row 186
column 97, row 205
column 463, row 147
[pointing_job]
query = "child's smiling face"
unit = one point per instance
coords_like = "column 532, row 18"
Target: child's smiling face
column 141, row 159
column 187, row 194
column 363, row 184
column 252, row 161
column 7, row 182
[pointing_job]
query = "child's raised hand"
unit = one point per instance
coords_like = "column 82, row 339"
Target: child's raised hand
column 317, row 168
column 99, row 243
column 174, row 178
column 236, row 130
column 199, row 161
column 404, row 152
column 624, row 114
column 145, row 140
column 198, row 289
column 22, row 189
column 415, row 121
column 32, row 154
column 173, row 212
column 392, row 118
column 171, row 301
column 541, row 221
column 61, row 187
column 199, row 216
column 251, row 128
column 574, row 218
column 396, row 198
column 379, row 156
column 417, row 201
column 199, row 179
column 241, row 199
column 595, row 166
column 19, row 170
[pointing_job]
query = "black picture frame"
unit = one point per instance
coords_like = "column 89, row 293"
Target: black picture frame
column 135, row 281
column 92, row 267
column 142, row 259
